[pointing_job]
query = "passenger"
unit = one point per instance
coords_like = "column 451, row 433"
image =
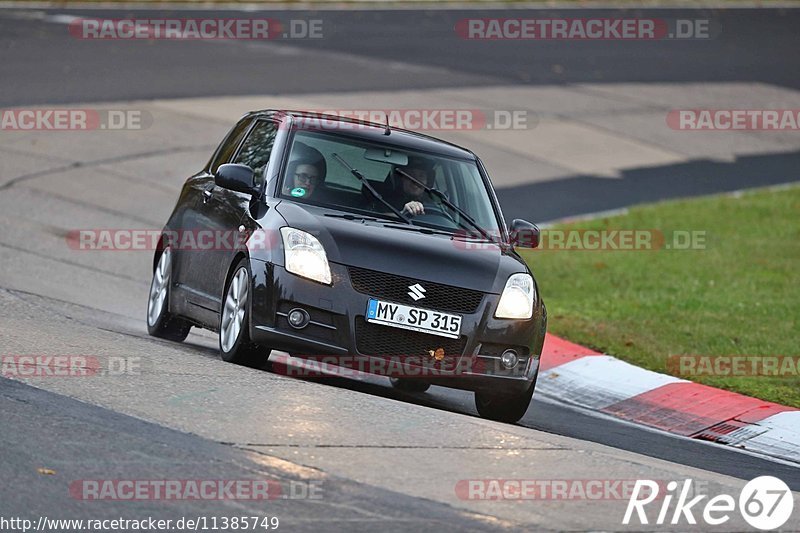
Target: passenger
column 305, row 173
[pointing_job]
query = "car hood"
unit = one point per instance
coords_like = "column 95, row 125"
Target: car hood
column 387, row 247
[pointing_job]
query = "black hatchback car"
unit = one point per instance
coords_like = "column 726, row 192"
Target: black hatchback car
column 357, row 244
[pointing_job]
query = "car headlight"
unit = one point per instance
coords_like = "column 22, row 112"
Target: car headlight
column 305, row 256
column 517, row 298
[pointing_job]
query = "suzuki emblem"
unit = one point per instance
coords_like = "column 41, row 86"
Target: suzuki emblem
column 417, row 292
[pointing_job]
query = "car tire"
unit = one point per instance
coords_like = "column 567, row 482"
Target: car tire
column 504, row 408
column 160, row 322
column 235, row 345
column 409, row 385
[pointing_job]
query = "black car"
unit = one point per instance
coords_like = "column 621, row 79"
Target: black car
column 358, row 244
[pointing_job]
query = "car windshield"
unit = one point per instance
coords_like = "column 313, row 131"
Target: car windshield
column 321, row 172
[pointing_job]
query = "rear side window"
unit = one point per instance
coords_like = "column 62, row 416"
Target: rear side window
column 228, row 146
column 257, row 148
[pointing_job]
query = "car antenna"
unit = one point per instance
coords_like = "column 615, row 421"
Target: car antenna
column 388, row 130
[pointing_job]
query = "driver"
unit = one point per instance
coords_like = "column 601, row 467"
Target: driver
column 406, row 195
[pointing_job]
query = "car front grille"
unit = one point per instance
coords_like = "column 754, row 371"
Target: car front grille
column 406, row 345
column 395, row 288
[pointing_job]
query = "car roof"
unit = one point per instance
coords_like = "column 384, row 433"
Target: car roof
column 370, row 131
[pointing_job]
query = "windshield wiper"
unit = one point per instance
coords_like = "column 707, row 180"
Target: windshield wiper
column 348, row 216
column 421, row 229
column 445, row 201
column 363, row 179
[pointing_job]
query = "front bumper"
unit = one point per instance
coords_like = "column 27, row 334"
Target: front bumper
column 339, row 332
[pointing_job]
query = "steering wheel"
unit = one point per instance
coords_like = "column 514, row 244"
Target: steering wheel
column 434, row 214
column 435, row 210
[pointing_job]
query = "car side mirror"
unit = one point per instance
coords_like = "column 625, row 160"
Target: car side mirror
column 235, row 177
column 524, row 234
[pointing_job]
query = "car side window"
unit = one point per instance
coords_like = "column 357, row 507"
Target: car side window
column 256, row 149
column 229, row 145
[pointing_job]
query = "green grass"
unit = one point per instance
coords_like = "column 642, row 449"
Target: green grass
column 738, row 296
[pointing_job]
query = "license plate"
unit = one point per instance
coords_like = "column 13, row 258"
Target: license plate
column 413, row 318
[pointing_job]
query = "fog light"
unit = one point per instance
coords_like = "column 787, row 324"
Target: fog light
column 298, row 318
column 509, row 359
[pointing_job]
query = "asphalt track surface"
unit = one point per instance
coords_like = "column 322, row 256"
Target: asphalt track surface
column 76, row 439
column 42, row 64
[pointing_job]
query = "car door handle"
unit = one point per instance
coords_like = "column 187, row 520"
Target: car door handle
column 207, row 194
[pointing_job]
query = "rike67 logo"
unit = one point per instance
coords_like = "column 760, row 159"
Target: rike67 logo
column 766, row 503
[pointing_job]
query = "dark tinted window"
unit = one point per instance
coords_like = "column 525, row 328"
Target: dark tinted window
column 339, row 188
column 257, row 148
column 228, row 146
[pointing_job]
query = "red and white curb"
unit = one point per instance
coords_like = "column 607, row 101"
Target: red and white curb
column 576, row 375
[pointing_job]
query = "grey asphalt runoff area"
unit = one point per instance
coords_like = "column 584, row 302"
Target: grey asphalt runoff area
column 384, row 459
column 609, row 86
